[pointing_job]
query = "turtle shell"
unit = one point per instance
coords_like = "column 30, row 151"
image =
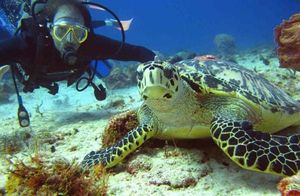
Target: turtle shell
column 230, row 79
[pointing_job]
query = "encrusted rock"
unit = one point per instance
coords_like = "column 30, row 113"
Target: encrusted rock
column 225, row 45
column 118, row 126
column 290, row 186
column 288, row 39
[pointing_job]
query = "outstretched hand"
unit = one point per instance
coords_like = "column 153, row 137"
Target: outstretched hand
column 125, row 23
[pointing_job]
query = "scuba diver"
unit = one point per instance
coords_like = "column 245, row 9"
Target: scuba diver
column 58, row 43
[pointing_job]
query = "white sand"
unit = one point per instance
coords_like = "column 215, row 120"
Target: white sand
column 77, row 121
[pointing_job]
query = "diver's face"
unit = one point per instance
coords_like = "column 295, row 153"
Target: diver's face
column 63, row 30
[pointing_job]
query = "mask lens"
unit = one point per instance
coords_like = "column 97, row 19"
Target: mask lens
column 60, row 31
column 80, row 33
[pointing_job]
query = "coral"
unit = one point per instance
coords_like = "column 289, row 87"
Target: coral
column 122, row 76
column 14, row 142
column 182, row 55
column 186, row 54
column 225, row 45
column 287, row 36
column 12, row 10
column 62, row 101
column 38, row 109
column 207, row 57
column 141, row 163
column 290, row 186
column 265, row 60
column 57, row 178
column 6, row 90
column 118, row 126
column 117, row 103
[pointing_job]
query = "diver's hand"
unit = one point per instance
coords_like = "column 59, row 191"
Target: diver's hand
column 125, row 23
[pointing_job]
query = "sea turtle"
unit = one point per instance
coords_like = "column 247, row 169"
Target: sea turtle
column 235, row 106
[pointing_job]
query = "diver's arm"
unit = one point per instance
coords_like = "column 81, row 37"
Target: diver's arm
column 135, row 53
column 107, row 22
column 99, row 23
column 111, row 22
column 11, row 49
column 105, row 48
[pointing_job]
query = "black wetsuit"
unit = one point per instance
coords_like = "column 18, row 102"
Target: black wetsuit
column 34, row 50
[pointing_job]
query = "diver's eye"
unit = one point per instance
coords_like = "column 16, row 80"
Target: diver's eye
column 168, row 73
column 139, row 75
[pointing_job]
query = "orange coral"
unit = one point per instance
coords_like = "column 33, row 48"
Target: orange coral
column 287, row 36
column 289, row 186
column 58, row 178
column 118, row 126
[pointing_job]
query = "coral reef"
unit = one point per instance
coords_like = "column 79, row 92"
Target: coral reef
column 118, row 126
column 6, row 86
column 57, row 178
column 265, row 60
column 12, row 9
column 14, row 142
column 122, row 76
column 225, row 45
column 6, row 90
column 290, row 186
column 207, row 57
column 287, row 37
column 182, row 55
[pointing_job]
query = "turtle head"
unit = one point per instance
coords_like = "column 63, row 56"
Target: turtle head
column 157, row 80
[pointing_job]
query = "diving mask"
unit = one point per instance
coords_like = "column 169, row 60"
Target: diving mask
column 64, row 26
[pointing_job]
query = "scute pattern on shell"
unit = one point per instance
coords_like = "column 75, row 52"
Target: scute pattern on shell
column 221, row 77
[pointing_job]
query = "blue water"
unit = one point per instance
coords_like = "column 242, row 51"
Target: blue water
column 6, row 28
column 169, row 26
column 172, row 25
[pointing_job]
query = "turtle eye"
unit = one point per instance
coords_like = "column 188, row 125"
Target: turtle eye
column 139, row 75
column 168, row 73
column 168, row 96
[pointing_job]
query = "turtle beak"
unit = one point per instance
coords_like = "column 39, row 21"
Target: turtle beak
column 156, row 92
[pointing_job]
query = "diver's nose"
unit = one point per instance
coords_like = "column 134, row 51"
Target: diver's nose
column 70, row 37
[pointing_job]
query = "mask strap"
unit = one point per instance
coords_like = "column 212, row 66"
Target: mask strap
column 117, row 19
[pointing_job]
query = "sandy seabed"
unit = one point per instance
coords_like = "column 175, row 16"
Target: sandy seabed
column 78, row 121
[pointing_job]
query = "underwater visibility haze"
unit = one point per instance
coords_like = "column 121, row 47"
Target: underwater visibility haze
column 6, row 28
column 228, row 70
column 173, row 25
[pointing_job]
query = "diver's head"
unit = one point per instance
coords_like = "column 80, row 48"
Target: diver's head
column 68, row 30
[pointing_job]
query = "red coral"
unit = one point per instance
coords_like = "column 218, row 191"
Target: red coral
column 289, row 186
column 207, row 57
column 287, row 36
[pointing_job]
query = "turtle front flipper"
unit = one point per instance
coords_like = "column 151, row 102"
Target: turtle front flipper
column 255, row 150
column 112, row 155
